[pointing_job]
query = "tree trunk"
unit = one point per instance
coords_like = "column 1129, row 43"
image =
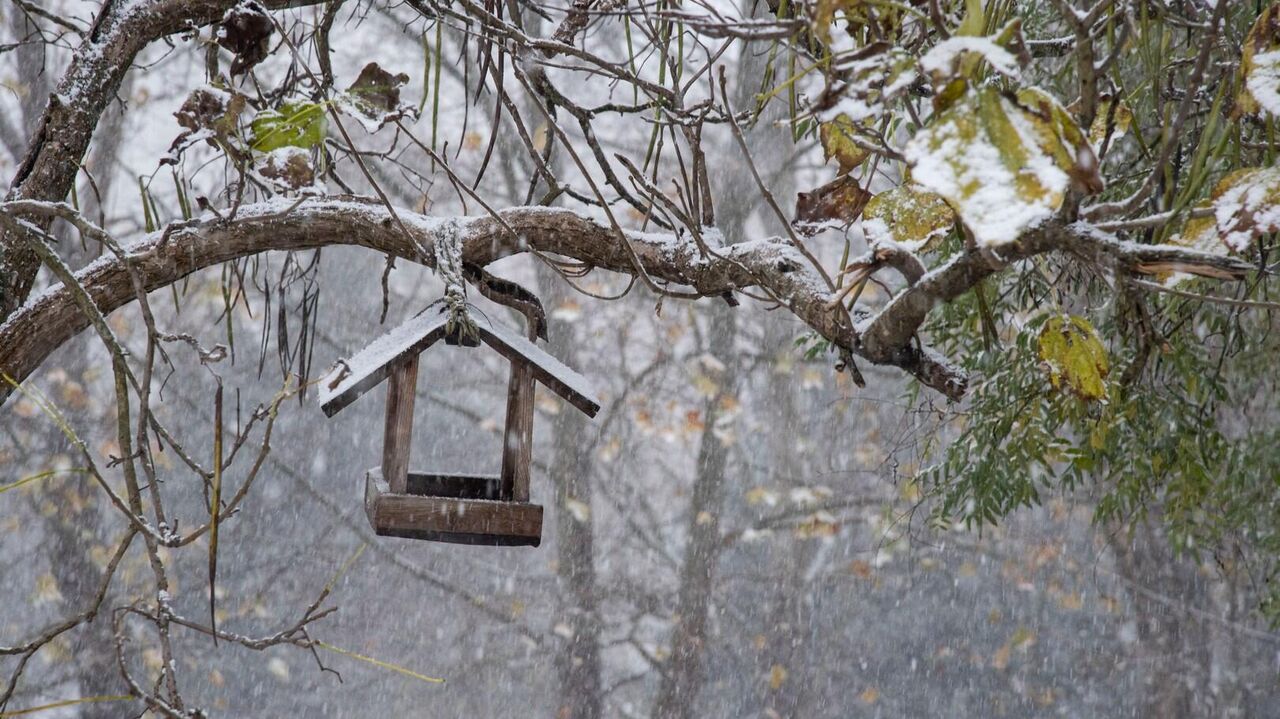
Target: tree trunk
column 1172, row 648
column 684, row 672
column 578, row 658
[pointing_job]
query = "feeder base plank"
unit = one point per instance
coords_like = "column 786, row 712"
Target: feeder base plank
column 448, row 519
column 455, row 486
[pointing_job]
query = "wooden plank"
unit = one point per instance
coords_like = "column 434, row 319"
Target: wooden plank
column 573, row 387
column 457, row 486
column 368, row 367
column 459, row 521
column 517, row 435
column 398, row 432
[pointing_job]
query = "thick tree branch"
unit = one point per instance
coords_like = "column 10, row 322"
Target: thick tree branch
column 160, row 259
column 90, row 83
column 889, row 332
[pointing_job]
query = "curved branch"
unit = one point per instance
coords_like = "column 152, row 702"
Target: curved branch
column 48, row 172
column 886, row 334
column 47, row 321
column 889, row 338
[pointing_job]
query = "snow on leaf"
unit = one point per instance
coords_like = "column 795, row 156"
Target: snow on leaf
column 948, row 59
column 1243, row 206
column 864, row 82
column 856, row 14
column 246, row 31
column 1074, row 356
column 762, row 495
column 915, row 219
column 1260, row 66
column 374, row 98
column 295, row 124
column 818, row 525
column 837, row 142
column 958, row 59
column 1062, row 139
column 212, row 109
column 287, row 168
column 1003, row 164
column 1246, row 204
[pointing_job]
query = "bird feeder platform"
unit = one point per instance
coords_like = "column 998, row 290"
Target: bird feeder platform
column 448, row 506
column 451, row 508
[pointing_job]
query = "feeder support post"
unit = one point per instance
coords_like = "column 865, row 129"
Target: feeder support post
column 398, row 433
column 517, row 435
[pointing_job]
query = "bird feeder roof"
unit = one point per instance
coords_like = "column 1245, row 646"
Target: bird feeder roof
column 371, row 365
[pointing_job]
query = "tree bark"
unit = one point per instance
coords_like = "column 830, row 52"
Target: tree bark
column 119, row 32
column 685, row 670
column 1172, row 648
column 162, row 258
column 578, row 664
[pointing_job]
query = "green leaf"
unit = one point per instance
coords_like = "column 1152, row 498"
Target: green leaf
column 1074, row 356
column 915, row 219
column 975, row 22
column 1003, row 163
column 295, row 124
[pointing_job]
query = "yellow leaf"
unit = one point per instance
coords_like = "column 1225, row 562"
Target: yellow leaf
column 758, row 495
column 1119, row 120
column 777, row 675
column 1260, row 66
column 704, row 385
column 1000, row 659
column 1003, row 163
column 1073, row 356
column 870, row 695
column 913, row 218
column 817, row 525
column 47, row 591
column 1061, row 139
column 1022, row 638
column 152, row 659
column 974, row 23
column 838, row 142
column 568, row 311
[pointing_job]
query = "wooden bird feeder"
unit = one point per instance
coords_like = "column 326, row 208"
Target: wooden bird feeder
column 450, row 506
